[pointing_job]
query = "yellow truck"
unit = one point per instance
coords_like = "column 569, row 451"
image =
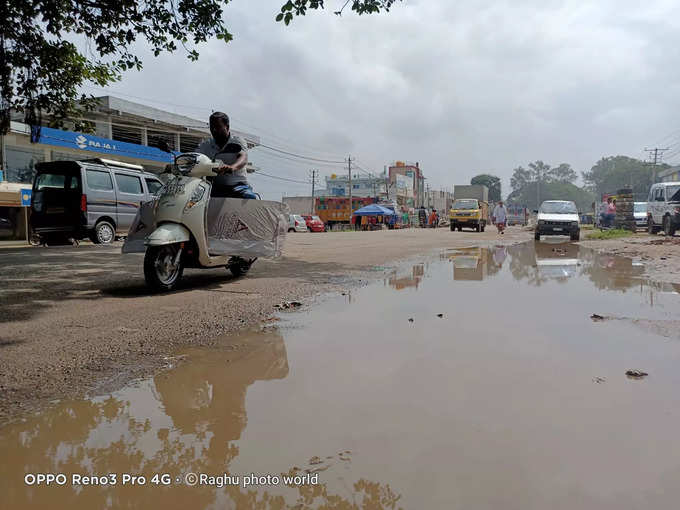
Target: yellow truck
column 469, row 213
column 470, row 208
column 470, row 263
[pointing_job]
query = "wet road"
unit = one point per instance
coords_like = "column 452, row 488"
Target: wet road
column 74, row 321
column 515, row 398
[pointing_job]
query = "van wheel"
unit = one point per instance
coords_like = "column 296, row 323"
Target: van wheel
column 537, row 236
column 576, row 236
column 104, row 233
column 453, row 227
column 483, row 226
column 478, row 228
column 668, row 227
column 291, row 230
column 160, row 271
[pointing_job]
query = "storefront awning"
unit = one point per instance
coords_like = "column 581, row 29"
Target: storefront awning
column 10, row 194
column 84, row 142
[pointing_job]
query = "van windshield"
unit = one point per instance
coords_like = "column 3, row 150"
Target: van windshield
column 465, row 204
column 673, row 193
column 640, row 207
column 558, row 208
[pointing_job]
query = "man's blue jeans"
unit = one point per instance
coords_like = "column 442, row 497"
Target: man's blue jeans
column 236, row 191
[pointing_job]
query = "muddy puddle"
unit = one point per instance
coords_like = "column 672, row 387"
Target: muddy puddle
column 513, row 398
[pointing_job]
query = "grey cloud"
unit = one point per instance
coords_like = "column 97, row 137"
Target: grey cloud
column 459, row 86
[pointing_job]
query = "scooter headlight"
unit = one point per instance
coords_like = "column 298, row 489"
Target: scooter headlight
column 195, row 198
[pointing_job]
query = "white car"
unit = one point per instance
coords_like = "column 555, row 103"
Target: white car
column 558, row 218
column 296, row 223
column 640, row 214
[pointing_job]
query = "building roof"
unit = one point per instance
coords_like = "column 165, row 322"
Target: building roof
column 669, row 171
column 157, row 118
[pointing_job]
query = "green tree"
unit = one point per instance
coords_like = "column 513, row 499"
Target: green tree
column 41, row 68
column 582, row 197
column 563, row 173
column 556, row 183
column 520, row 178
column 615, row 172
column 490, row 181
column 539, row 171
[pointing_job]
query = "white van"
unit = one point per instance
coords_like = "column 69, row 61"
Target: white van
column 663, row 208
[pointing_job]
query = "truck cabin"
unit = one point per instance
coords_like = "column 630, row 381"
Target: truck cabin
column 465, row 204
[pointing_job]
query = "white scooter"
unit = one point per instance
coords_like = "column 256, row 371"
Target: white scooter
column 180, row 214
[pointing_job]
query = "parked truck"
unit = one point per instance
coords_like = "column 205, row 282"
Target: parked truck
column 470, row 207
column 335, row 210
column 517, row 215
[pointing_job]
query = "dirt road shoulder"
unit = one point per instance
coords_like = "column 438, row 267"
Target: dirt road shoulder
column 660, row 254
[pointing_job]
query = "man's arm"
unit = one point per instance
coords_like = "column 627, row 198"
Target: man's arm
column 241, row 161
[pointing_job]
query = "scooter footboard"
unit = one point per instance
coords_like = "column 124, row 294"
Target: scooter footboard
column 246, row 228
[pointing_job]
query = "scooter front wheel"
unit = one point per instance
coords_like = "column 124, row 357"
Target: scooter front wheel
column 162, row 267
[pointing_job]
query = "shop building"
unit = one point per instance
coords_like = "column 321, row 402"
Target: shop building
column 438, row 199
column 407, row 185
column 362, row 185
column 118, row 129
column 671, row 174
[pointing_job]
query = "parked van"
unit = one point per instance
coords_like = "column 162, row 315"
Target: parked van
column 95, row 198
column 663, row 208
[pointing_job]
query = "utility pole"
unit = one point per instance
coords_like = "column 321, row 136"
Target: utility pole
column 538, row 188
column 313, row 183
column 349, row 168
column 387, row 183
column 656, row 155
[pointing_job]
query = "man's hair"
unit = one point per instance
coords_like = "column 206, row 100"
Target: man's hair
column 220, row 116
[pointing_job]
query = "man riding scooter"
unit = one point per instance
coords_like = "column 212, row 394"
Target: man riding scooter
column 232, row 181
column 194, row 224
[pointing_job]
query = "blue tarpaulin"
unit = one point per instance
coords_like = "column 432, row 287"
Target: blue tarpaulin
column 374, row 210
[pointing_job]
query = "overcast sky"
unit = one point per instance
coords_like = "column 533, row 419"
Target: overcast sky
column 460, row 86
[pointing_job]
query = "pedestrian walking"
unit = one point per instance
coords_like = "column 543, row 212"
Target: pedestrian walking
column 500, row 217
column 433, row 218
column 422, row 217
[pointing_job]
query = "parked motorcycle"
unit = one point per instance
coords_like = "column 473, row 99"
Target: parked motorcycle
column 173, row 229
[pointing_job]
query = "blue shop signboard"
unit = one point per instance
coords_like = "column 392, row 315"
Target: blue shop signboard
column 26, row 197
column 97, row 144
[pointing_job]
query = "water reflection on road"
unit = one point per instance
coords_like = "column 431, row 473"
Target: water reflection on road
column 512, row 398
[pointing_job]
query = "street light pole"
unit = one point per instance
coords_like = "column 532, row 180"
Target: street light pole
column 313, row 183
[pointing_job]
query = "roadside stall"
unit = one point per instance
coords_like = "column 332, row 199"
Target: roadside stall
column 374, row 217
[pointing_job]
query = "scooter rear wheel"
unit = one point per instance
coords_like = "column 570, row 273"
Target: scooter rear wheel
column 160, row 271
